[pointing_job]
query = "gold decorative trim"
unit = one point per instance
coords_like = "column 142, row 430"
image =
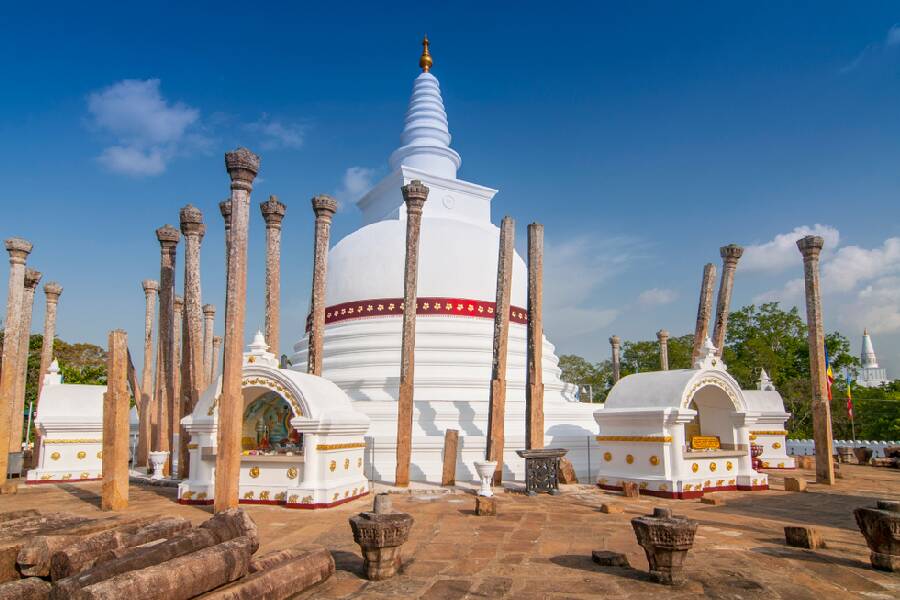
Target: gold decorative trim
column 54, row 456
column 713, row 466
column 776, row 445
column 658, row 439
column 254, row 472
column 629, row 459
column 81, row 455
column 359, row 462
column 332, row 466
column 264, row 495
column 292, row 473
column 654, row 460
column 713, row 381
column 607, row 456
column 100, row 455
column 201, row 496
column 729, row 465
column 81, row 441
column 67, row 476
column 346, row 464
column 292, row 499
column 768, row 432
column 695, row 467
column 187, row 495
column 248, row 495
column 193, row 446
column 85, row 475
column 347, row 446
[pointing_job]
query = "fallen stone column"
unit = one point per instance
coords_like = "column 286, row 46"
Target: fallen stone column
column 220, row 528
column 35, row 555
column 15, row 515
column 32, row 588
column 286, row 573
column 178, row 579
column 84, row 553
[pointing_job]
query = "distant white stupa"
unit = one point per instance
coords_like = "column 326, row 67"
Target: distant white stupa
column 871, row 375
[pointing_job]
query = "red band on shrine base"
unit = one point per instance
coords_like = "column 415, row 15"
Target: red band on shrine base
column 385, row 307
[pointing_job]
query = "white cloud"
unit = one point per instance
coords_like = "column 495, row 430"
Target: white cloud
column 276, row 134
column 852, row 265
column 893, row 35
column 354, row 185
column 876, row 307
column 657, row 297
column 147, row 129
column 780, row 253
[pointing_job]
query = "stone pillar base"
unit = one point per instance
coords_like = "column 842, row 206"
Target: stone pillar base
column 381, row 563
column 885, row 562
column 485, row 507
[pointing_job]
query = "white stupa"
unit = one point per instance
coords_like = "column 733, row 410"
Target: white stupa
column 456, row 291
column 870, row 375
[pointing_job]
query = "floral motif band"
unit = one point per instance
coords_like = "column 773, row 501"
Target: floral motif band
column 454, row 307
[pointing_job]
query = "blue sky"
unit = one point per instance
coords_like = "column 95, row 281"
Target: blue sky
column 643, row 135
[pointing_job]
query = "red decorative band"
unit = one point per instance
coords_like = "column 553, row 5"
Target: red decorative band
column 384, row 307
column 688, row 495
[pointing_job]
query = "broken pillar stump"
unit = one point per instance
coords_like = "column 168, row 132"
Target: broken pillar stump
column 803, row 537
column 712, row 500
column 451, row 451
column 610, row 508
column 794, row 484
column 881, row 528
column 286, row 574
column 666, row 540
column 567, row 471
column 33, row 588
column 863, row 455
column 380, row 535
column 608, row 558
column 486, row 506
column 630, row 489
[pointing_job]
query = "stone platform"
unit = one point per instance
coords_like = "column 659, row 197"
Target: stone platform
column 541, row 547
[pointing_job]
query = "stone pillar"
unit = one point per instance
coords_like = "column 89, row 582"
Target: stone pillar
column 811, row 246
column 18, row 251
column 52, row 292
column 17, row 418
column 704, row 310
column 209, row 326
column 414, row 194
column 534, row 374
column 193, row 377
column 324, row 208
column 145, row 411
column 114, row 492
column 225, row 209
column 730, row 255
column 273, row 213
column 168, row 238
column 217, row 348
column 177, row 401
column 663, row 336
column 614, row 342
column 497, row 411
column 242, row 166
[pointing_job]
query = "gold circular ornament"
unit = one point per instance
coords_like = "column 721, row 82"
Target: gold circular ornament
column 254, row 472
column 695, row 467
column 292, row 473
column 776, row 445
column 654, row 460
column 54, row 456
column 81, row 454
column 346, row 464
column 332, row 466
column 729, row 466
column 359, row 462
column 713, row 467
column 607, row 456
column 629, row 459
column 100, row 454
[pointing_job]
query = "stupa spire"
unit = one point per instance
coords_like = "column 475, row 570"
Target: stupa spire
column 868, row 358
column 425, row 141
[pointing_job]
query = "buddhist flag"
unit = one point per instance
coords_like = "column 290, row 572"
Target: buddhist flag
column 849, row 400
column 829, row 374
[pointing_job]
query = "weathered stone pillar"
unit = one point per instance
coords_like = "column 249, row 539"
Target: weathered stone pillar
column 225, row 209
column 18, row 251
column 209, row 327
column 17, row 418
column 114, row 492
column 217, row 348
column 168, row 238
column 324, row 208
column 497, row 413
column 52, row 292
column 663, row 336
column 145, row 412
column 273, row 213
column 177, row 401
column 414, row 194
column 193, row 377
column 614, row 342
column 242, row 166
column 811, row 246
column 534, row 373
column 730, row 255
column 704, row 310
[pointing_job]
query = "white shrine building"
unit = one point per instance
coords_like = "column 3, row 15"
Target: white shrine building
column 870, row 375
column 684, row 432
column 455, row 310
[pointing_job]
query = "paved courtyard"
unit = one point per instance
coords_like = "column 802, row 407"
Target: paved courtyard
column 541, row 547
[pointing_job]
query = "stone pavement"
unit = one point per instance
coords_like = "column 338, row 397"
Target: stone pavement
column 541, row 547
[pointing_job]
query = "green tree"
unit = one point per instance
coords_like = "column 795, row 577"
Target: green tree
column 580, row 372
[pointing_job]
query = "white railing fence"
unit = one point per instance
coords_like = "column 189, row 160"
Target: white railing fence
column 808, row 447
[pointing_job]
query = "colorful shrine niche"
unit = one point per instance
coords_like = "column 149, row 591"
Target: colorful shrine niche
column 267, row 429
